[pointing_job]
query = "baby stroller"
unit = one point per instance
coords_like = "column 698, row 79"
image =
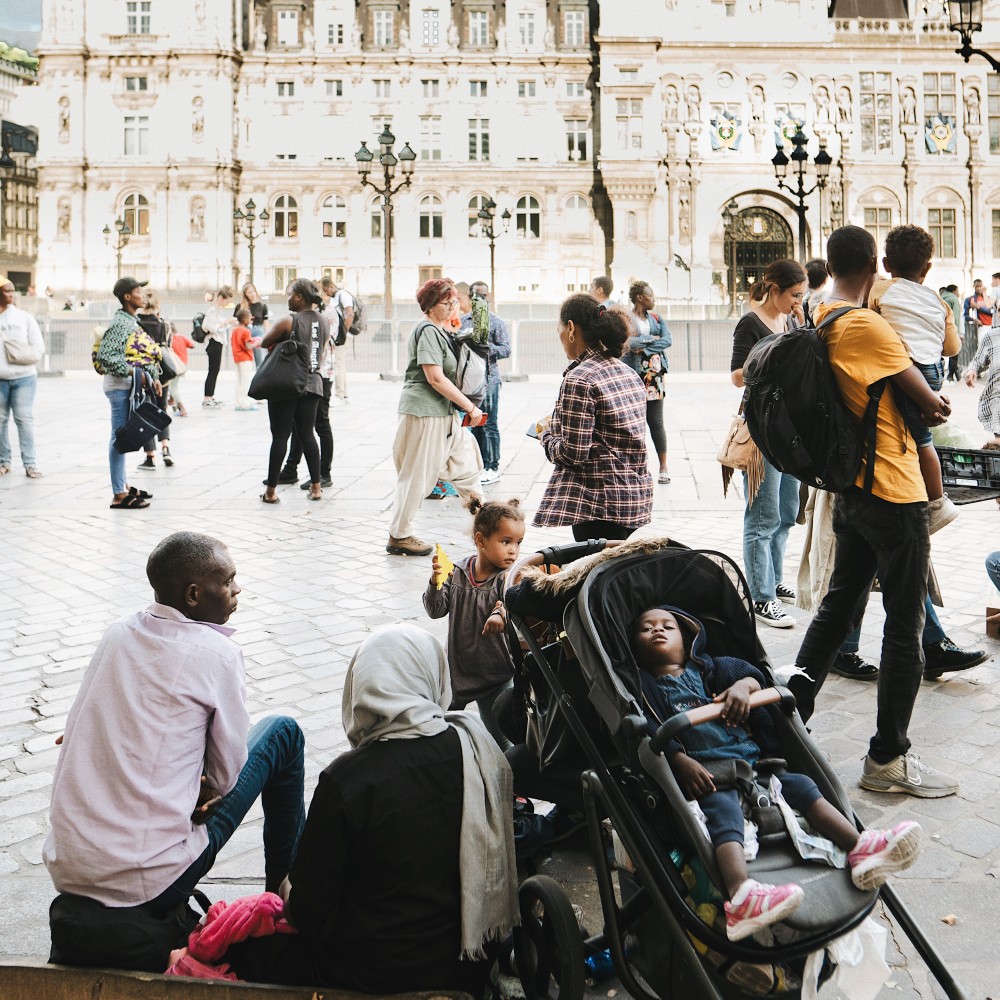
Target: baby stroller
column 584, row 706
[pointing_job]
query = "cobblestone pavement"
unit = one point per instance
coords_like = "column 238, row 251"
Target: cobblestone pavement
column 316, row 580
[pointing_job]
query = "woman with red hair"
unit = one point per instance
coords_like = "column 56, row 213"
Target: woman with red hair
column 430, row 442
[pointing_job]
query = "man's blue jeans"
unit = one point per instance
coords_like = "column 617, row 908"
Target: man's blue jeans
column 119, row 400
column 274, row 771
column 766, row 523
column 891, row 540
column 488, row 435
column 993, row 568
column 933, row 630
column 17, row 397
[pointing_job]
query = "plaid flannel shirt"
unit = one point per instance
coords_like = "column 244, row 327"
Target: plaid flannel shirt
column 597, row 443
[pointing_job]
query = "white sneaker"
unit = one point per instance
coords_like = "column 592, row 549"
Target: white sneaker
column 490, row 476
column 773, row 614
column 940, row 512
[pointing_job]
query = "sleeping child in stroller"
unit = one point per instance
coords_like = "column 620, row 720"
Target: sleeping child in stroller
column 677, row 675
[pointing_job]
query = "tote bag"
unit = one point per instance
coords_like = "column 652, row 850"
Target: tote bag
column 145, row 420
column 283, row 373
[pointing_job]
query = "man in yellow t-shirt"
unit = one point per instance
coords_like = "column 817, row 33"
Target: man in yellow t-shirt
column 884, row 533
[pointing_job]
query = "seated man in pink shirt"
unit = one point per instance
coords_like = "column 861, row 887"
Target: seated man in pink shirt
column 156, row 770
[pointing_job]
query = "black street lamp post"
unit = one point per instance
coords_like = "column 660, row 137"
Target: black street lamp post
column 800, row 158
column 966, row 17
column 248, row 214
column 728, row 218
column 486, row 216
column 122, row 235
column 388, row 159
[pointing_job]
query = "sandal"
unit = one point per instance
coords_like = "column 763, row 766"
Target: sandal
column 130, row 502
column 663, row 478
column 316, row 496
column 268, row 499
column 141, row 494
column 33, row 472
column 4, row 469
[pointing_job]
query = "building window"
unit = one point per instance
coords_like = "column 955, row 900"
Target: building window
column 526, row 27
column 377, row 222
column 528, row 218
column 477, row 88
column 629, row 118
column 135, row 212
column 996, row 232
column 939, row 95
column 334, row 217
column 479, row 138
column 941, row 225
column 382, row 88
column 476, row 202
column 334, row 34
column 283, row 277
column 576, row 138
column 380, row 122
column 574, row 28
column 876, row 112
column 431, row 217
column 577, row 279
column 431, row 88
column 878, row 221
column 288, row 27
column 286, row 156
column 286, row 217
column 576, row 88
column 334, row 88
column 430, row 26
column 479, row 28
column 286, row 88
column 525, row 88
column 136, row 135
column 337, row 273
column 430, row 137
column 993, row 110
column 137, row 16
column 136, row 84
column 576, row 215
column 385, row 28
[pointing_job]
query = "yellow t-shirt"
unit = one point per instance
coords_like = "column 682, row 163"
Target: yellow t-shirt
column 864, row 348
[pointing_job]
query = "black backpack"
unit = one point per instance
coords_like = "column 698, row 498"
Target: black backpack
column 198, row 332
column 797, row 416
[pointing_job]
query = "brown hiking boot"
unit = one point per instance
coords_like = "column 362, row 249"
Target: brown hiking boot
column 409, row 546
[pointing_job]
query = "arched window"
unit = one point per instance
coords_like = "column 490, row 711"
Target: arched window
column 476, row 202
column 528, row 218
column 631, row 225
column 286, row 216
column 333, row 217
column 576, row 214
column 135, row 212
column 431, row 217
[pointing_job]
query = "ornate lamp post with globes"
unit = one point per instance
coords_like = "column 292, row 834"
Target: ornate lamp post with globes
column 966, row 17
column 249, row 215
column 122, row 235
column 486, row 216
column 799, row 159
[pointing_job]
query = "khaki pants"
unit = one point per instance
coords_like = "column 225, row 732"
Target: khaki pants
column 340, row 370
column 425, row 449
column 244, row 373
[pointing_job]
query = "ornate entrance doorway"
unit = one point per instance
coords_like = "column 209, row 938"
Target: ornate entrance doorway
column 754, row 238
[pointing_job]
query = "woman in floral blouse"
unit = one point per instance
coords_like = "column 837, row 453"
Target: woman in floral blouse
column 596, row 438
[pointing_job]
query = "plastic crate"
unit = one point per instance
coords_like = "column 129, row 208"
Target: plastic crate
column 970, row 468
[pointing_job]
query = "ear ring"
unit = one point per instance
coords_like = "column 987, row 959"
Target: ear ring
column 572, row 339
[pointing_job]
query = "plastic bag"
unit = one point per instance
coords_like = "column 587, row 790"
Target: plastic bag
column 860, row 969
column 811, row 846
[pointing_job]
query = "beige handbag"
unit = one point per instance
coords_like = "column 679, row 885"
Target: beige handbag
column 739, row 454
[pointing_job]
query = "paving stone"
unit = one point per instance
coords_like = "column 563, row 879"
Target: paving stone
column 17, row 830
column 973, row 836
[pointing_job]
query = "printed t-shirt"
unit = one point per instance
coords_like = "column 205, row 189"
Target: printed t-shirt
column 241, row 352
column 418, row 397
column 864, row 348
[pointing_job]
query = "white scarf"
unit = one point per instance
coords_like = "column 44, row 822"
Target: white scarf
column 398, row 688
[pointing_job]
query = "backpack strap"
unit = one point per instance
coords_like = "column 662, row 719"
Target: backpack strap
column 869, row 427
column 834, row 316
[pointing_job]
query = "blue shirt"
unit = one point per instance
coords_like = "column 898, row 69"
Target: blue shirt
column 710, row 740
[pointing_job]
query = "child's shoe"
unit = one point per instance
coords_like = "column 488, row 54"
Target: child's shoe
column 879, row 853
column 757, row 905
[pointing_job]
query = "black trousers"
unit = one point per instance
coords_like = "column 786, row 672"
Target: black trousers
column 161, row 402
column 600, row 529
column 214, row 351
column 323, row 430
column 283, row 415
column 891, row 540
column 654, row 421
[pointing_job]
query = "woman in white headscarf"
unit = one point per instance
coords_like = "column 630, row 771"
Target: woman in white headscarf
column 405, row 872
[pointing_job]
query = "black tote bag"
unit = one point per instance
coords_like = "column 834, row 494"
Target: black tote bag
column 145, row 420
column 283, row 373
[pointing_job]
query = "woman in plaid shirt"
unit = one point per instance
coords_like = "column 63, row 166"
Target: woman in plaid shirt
column 596, row 437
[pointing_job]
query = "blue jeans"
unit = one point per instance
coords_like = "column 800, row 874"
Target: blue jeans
column 765, row 530
column 17, row 396
column 933, row 630
column 934, row 376
column 488, row 435
column 274, row 771
column 119, row 400
column 993, row 568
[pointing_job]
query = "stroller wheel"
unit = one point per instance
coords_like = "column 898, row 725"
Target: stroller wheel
column 547, row 946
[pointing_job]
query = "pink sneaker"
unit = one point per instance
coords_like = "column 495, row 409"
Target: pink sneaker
column 756, row 905
column 881, row 852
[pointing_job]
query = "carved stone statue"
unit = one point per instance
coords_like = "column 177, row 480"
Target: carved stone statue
column 502, row 38
column 199, row 13
column 822, row 104
column 404, row 36
column 972, row 112
column 197, row 219
column 684, row 214
column 197, row 119
column 845, row 107
column 908, row 107
column 64, row 119
column 63, row 220
column 550, row 37
column 260, row 34
column 671, row 103
column 693, row 99
column 757, row 103
column 308, row 38
column 453, row 36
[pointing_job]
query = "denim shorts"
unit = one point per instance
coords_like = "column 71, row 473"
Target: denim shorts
column 934, row 375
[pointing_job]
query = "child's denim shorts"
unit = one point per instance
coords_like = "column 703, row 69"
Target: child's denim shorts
column 934, row 374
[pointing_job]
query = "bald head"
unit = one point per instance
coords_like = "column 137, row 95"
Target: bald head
column 194, row 574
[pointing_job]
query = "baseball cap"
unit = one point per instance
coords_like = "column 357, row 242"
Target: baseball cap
column 125, row 285
column 4, row 280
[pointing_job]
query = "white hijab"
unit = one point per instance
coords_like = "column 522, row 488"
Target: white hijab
column 398, row 688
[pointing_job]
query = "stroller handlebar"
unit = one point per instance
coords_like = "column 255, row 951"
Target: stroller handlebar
column 557, row 555
column 708, row 713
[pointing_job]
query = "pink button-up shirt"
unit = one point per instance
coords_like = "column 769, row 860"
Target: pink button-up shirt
column 163, row 700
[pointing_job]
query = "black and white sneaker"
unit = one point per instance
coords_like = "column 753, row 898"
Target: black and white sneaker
column 784, row 594
column 773, row 614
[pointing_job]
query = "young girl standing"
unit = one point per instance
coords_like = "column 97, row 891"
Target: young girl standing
column 470, row 595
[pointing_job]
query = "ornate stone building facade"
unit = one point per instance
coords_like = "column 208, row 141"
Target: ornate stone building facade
column 618, row 133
